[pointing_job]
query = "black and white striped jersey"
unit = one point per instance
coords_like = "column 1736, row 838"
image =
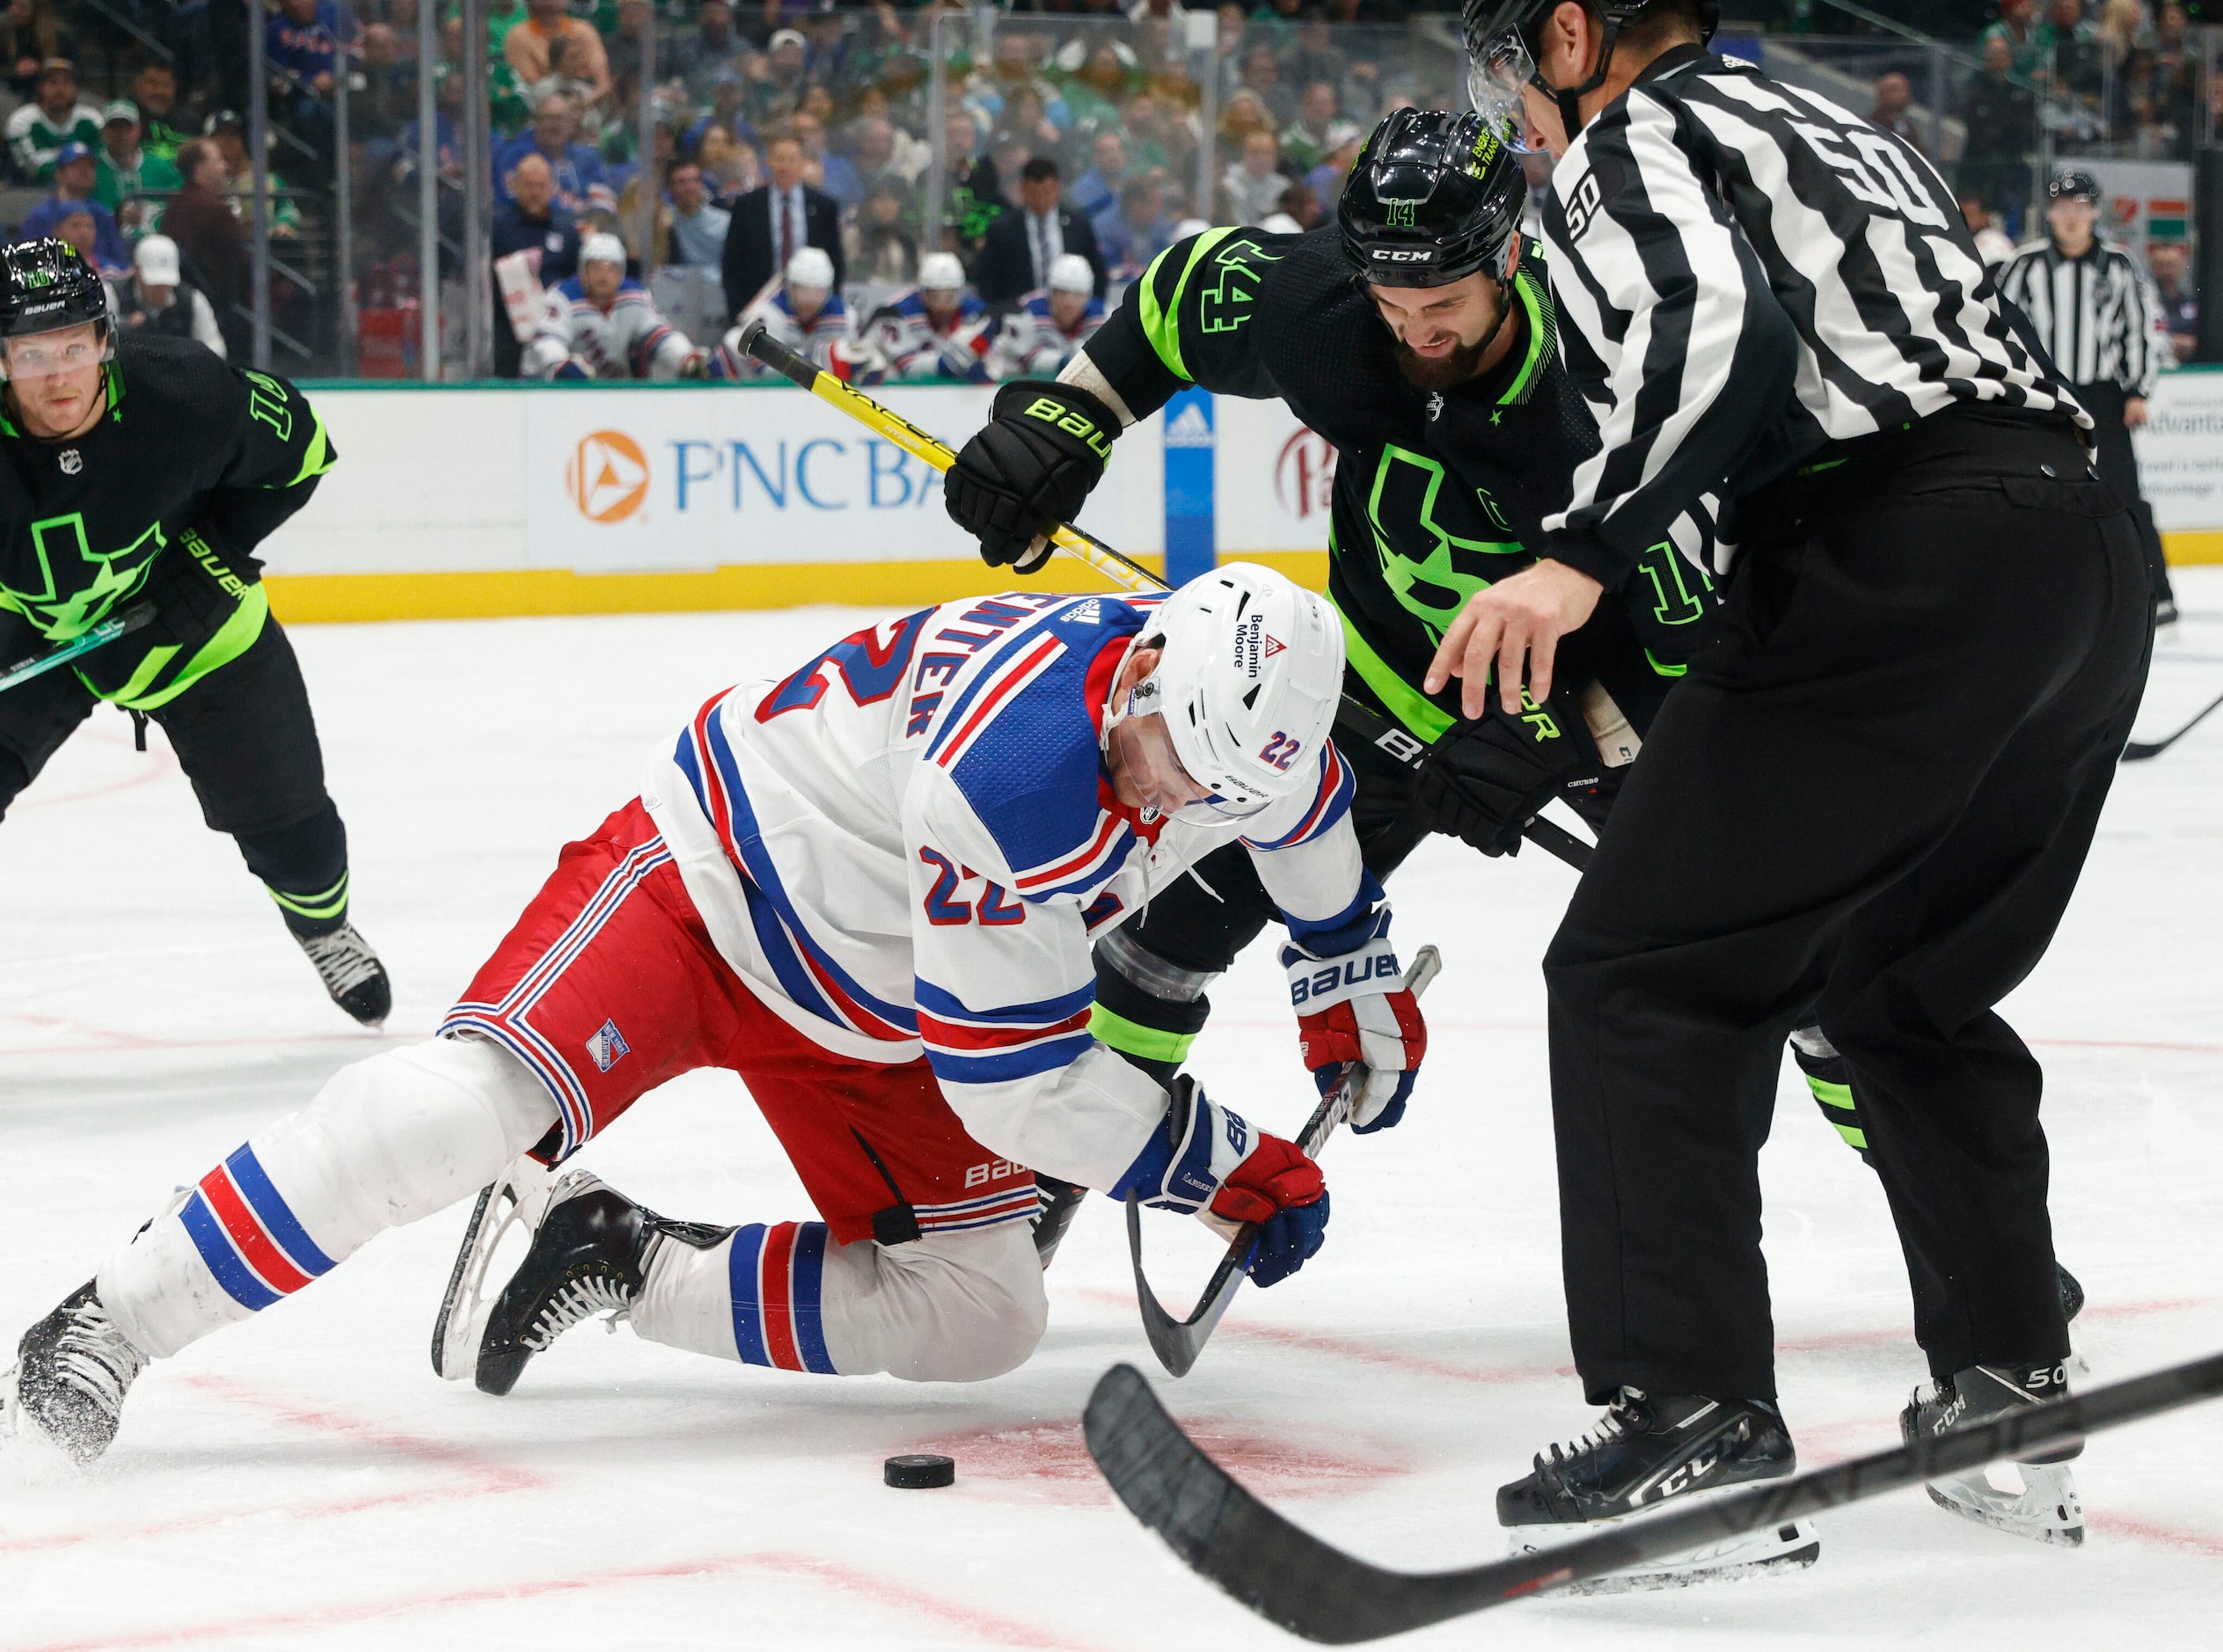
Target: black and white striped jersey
column 1747, row 275
column 2098, row 314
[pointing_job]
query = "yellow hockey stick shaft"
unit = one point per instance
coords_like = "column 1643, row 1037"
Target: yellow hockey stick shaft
column 756, row 342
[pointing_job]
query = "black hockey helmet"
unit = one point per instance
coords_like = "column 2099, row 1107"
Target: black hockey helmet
column 1433, row 197
column 2073, row 186
column 46, row 285
column 1502, row 38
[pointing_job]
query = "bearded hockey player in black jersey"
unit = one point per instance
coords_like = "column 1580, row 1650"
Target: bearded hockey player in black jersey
column 141, row 474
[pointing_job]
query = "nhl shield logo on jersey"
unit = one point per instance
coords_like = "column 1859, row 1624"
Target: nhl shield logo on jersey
column 608, row 1046
column 71, row 461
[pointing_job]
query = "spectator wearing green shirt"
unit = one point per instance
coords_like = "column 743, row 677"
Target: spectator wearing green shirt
column 129, row 170
column 154, row 89
column 2028, row 46
column 37, row 131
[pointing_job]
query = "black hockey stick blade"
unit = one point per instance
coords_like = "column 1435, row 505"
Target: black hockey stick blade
column 1316, row 1591
column 2138, row 751
column 1177, row 1343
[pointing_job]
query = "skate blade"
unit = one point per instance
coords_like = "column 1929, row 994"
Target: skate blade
column 1792, row 1544
column 518, row 1198
column 32, row 1458
column 2046, row 1509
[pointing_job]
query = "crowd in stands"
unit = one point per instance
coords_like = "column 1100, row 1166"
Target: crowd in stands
column 1073, row 132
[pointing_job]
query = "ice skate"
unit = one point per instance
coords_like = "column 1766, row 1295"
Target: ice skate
column 72, row 1371
column 351, row 973
column 589, row 1256
column 2045, row 1507
column 1646, row 1453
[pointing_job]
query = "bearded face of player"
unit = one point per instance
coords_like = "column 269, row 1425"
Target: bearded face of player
column 1445, row 335
column 54, row 385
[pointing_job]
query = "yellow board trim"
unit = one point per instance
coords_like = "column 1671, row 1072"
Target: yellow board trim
column 2201, row 545
column 299, row 599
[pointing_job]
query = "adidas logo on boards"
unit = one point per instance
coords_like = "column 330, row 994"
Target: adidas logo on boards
column 1189, row 428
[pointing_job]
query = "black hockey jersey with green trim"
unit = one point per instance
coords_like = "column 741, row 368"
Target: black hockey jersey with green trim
column 192, row 464
column 1435, row 495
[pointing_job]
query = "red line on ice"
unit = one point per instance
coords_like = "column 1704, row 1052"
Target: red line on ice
column 847, row 1580
column 2153, row 1531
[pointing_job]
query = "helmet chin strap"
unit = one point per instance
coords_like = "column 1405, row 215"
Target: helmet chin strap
column 1570, row 99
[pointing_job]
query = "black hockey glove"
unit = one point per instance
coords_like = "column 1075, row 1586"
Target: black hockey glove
column 1028, row 469
column 194, row 592
column 1484, row 780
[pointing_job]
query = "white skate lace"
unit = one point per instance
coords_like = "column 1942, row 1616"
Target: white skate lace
column 581, row 1299
column 1620, row 1419
column 95, row 1358
column 343, row 959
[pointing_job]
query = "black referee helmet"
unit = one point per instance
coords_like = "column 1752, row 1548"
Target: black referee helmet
column 2073, row 186
column 1502, row 38
column 1432, row 198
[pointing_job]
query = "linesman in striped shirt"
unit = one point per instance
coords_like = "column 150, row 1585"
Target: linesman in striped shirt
column 1870, row 798
column 2098, row 315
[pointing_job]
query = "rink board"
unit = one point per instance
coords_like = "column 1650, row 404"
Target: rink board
column 485, row 500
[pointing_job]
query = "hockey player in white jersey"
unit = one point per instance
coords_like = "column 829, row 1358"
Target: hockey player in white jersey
column 1049, row 327
column 806, row 315
column 938, row 331
column 869, row 888
column 603, row 324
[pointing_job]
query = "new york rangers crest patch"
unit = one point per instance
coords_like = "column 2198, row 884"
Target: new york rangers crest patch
column 608, row 1046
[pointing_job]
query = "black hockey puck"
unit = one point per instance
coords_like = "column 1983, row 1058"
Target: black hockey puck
column 919, row 1471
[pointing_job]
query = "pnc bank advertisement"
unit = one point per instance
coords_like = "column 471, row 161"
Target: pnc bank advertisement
column 688, row 479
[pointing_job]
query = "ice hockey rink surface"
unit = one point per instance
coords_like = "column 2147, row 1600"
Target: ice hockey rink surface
column 304, row 1479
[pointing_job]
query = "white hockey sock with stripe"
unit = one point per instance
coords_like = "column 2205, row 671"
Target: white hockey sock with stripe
column 387, row 1141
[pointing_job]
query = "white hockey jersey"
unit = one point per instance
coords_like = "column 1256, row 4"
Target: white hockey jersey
column 904, row 337
column 578, row 338
column 1032, row 345
column 909, row 844
column 824, row 342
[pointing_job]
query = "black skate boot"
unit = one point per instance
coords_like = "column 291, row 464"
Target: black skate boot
column 1649, row 1449
column 351, row 973
column 2045, row 1508
column 589, row 1256
column 72, row 1371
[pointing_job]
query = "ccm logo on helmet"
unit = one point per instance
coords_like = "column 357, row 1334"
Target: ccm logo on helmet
column 1404, row 255
column 1377, row 966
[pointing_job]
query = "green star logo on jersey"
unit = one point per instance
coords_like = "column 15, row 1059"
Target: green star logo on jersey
column 1407, row 491
column 63, row 609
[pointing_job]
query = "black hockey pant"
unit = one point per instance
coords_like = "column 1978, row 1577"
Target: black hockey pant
column 2118, row 469
column 1877, row 793
column 245, row 736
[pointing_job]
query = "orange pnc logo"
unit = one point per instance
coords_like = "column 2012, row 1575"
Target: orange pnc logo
column 607, row 476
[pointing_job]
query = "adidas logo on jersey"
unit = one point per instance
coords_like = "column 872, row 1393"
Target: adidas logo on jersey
column 608, row 1046
column 1088, row 613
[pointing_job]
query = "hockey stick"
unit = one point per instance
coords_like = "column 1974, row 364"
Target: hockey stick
column 106, row 631
column 1177, row 1343
column 1318, row 1591
column 1369, row 727
column 2138, row 751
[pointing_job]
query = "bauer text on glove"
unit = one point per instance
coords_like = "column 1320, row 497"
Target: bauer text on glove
column 1352, row 1005
column 1028, row 469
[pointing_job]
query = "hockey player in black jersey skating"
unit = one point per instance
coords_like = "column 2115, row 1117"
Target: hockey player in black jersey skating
column 1875, row 791
column 145, row 472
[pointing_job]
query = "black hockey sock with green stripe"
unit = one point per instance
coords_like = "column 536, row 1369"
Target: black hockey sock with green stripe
column 304, row 866
column 1830, row 1076
column 1147, row 1009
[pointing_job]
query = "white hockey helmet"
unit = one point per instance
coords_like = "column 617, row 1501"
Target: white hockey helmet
column 1248, row 681
column 603, row 247
column 1068, row 272
column 940, row 273
column 811, row 267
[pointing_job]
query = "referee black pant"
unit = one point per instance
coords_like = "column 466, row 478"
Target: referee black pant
column 1876, row 793
column 2118, row 469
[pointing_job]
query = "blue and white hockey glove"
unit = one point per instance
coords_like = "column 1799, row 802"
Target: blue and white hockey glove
column 1352, row 1005
column 1207, row 1160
